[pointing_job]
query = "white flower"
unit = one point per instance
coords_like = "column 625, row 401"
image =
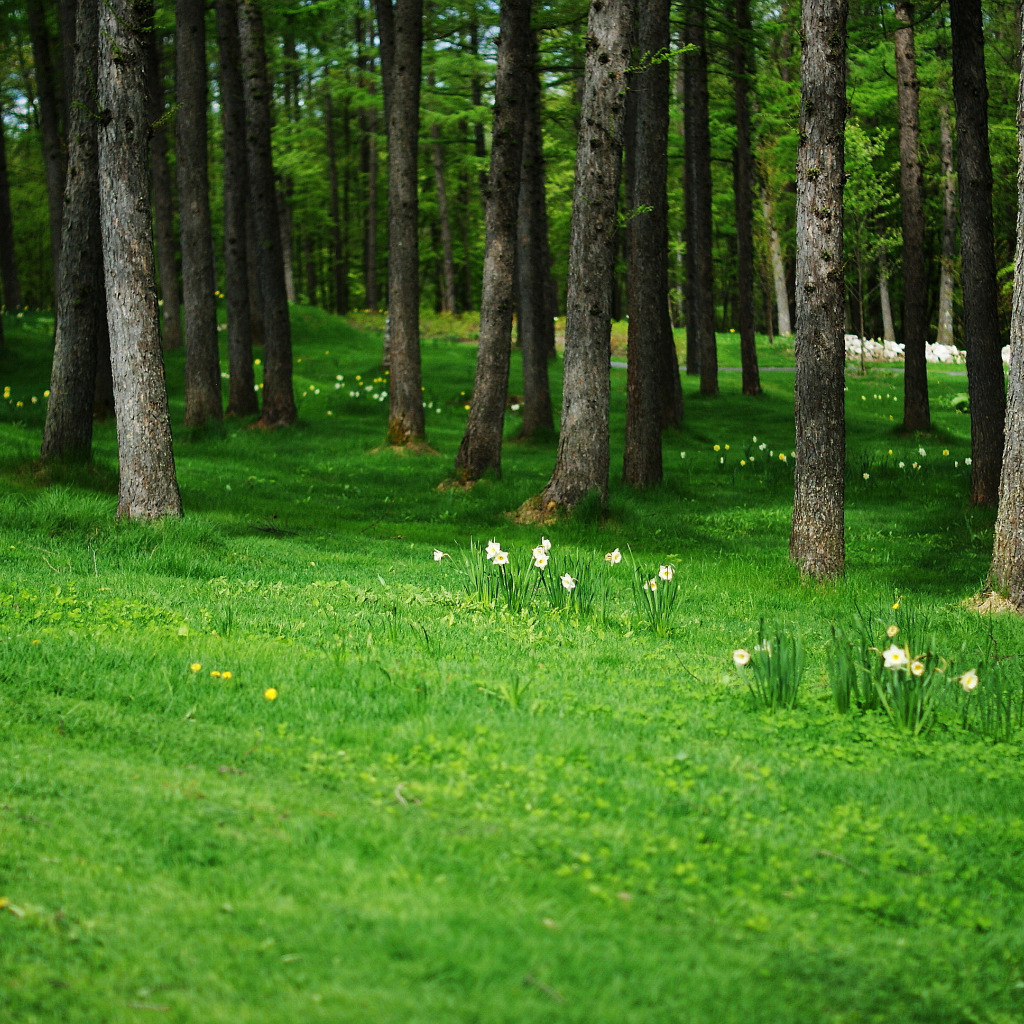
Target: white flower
column 903, row 465
column 545, row 543
column 967, row 461
column 500, row 558
column 493, row 547
column 895, row 657
column 917, row 667
column 568, row 582
column 921, row 452
column 540, row 561
column 866, row 476
column 651, row 584
column 892, row 631
column 666, row 572
column 439, row 554
column 540, row 551
column 969, row 680
column 613, row 557
column 740, row 657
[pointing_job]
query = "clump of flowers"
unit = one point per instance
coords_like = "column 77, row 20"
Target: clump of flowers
column 774, row 668
column 655, row 596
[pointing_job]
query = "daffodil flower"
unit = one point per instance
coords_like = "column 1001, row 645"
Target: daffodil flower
column 540, row 561
column 917, row 668
column 439, row 554
column 666, row 572
column 540, row 551
column 493, row 547
column 740, row 657
column 545, row 543
column 895, row 657
column 500, row 557
column 568, row 582
column 892, row 631
column 969, row 680
column 613, row 557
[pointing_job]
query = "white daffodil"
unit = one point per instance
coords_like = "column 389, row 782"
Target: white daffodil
column 613, row 557
column 651, row 584
column 439, row 554
column 545, row 543
column 895, row 657
column 892, row 631
column 540, row 561
column 740, row 657
column 500, row 558
column 540, row 551
column 969, row 680
column 493, row 547
column 568, row 582
column 917, row 668
column 666, row 572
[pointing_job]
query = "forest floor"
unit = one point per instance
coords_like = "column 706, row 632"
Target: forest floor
column 273, row 762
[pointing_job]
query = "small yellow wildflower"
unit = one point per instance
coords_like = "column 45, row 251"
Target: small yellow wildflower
column 196, row 666
column 225, row 675
column 270, row 693
column 215, row 674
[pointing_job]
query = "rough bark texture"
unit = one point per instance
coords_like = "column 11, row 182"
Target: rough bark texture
column 163, row 200
column 985, row 385
column 884, row 298
column 916, row 415
column 534, row 318
column 700, row 292
column 443, row 220
column 816, row 542
column 148, row 485
column 1007, row 570
column 202, row 364
column 778, row 265
column 582, row 462
column 337, row 261
column 480, row 450
column 278, row 398
column 743, row 189
column 647, row 140
column 242, row 400
column 81, row 309
column 401, row 34
column 944, row 334
column 8, row 264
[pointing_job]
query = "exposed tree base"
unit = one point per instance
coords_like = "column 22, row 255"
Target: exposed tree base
column 414, row 446
column 537, row 511
column 455, row 484
column 988, row 602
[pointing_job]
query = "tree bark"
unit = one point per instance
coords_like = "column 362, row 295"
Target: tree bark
column 701, row 320
column 582, row 462
column 401, row 35
column 202, row 363
column 944, row 334
column 278, row 398
column 778, row 265
column 743, row 189
column 340, row 283
column 368, row 168
column 81, row 309
column 985, row 384
column 480, row 450
column 647, row 236
column 8, row 262
column 884, row 298
column 916, row 415
column 148, row 486
column 816, row 541
column 443, row 219
column 242, row 400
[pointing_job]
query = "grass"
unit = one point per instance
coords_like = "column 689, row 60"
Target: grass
column 454, row 812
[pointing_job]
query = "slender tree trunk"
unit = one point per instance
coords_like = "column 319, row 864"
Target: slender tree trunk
column 916, row 415
column 743, row 188
column 401, row 34
column 278, row 398
column 81, row 309
column 583, row 455
column 698, row 198
column 344, row 299
column 535, row 320
column 202, row 363
column 163, row 202
column 332, row 178
column 242, row 399
column 647, row 140
column 884, row 299
column 8, row 263
column 816, row 542
column 148, row 484
column 778, row 265
column 944, row 335
column 985, row 384
column 443, row 218
column 49, row 122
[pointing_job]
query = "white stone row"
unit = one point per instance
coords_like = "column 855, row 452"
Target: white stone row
column 890, row 351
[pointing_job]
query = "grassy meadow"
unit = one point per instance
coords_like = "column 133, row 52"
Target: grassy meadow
column 275, row 763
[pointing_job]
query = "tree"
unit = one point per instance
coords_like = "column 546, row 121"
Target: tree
column 582, row 462
column 202, row 364
column 985, row 385
column 148, row 486
column 816, row 541
column 8, row 263
column 916, row 415
column 944, row 334
column 401, row 37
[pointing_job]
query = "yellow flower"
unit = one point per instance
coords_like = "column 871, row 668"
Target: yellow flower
column 215, row 674
column 195, row 666
column 225, row 675
column 270, row 693
column 717, row 448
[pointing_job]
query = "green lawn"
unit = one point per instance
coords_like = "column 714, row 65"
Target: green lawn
column 452, row 812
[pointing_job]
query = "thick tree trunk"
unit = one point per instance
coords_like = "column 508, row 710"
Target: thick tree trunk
column 480, row 450
column 944, row 334
column 743, row 188
column 202, row 364
column 81, row 309
column 8, row 262
column 242, row 399
column 278, row 398
column 647, row 236
column 148, row 485
column 985, row 384
column 163, row 201
column 916, row 415
column 816, row 541
column 778, row 265
column 534, row 319
column 583, row 456
column 401, row 33
column 701, row 321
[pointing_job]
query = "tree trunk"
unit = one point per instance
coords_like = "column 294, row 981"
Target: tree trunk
column 242, row 399
column 278, row 399
column 148, row 486
column 743, row 188
column 944, row 334
column 534, row 319
column 401, row 34
column 49, row 122
column 163, row 202
column 444, row 220
column 81, row 309
column 884, row 299
column 582, row 462
column 647, row 236
column 480, row 450
column 985, row 384
column 8, row 263
column 202, row 363
column 816, row 541
column 916, row 415
column 778, row 265
column 701, row 321
column 332, row 178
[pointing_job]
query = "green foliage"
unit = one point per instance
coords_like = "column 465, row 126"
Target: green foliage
column 773, row 669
